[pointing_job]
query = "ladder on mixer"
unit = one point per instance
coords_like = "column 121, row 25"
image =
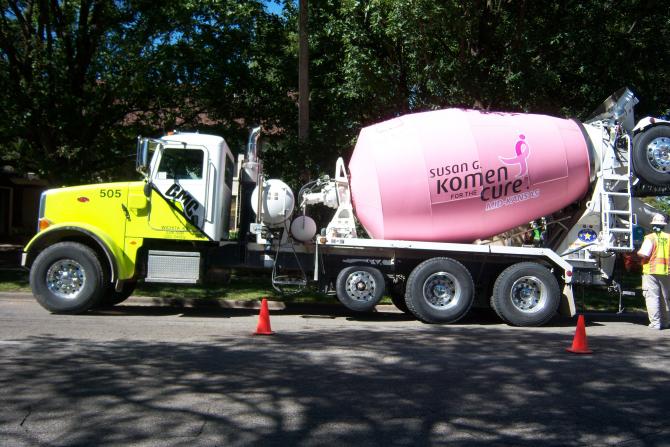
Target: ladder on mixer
column 616, row 206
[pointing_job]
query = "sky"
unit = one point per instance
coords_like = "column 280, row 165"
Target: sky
column 273, row 7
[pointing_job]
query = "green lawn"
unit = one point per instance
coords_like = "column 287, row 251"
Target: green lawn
column 239, row 288
column 14, row 281
column 256, row 287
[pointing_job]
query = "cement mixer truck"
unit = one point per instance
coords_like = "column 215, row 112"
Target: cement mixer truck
column 441, row 210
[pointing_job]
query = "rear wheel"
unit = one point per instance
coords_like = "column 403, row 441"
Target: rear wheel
column 67, row 278
column 360, row 288
column 439, row 290
column 526, row 294
column 651, row 155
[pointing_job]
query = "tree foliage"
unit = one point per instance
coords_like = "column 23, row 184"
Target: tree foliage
column 82, row 78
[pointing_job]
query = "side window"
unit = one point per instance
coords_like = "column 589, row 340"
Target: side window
column 179, row 164
column 230, row 172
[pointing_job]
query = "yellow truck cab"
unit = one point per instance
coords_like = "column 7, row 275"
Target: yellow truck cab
column 95, row 241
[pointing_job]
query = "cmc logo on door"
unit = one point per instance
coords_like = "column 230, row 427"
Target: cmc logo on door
column 188, row 202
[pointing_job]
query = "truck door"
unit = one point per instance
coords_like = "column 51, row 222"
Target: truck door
column 180, row 175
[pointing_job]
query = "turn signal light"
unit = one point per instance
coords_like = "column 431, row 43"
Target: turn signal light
column 44, row 223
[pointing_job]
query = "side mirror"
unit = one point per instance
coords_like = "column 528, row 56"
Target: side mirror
column 142, row 162
column 147, row 189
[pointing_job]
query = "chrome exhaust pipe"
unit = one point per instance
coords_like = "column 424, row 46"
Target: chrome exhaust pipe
column 251, row 160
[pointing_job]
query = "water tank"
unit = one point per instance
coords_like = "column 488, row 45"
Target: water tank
column 277, row 202
column 459, row 175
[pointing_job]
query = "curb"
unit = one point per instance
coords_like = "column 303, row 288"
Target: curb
column 212, row 303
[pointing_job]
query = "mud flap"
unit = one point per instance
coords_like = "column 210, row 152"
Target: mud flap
column 567, row 306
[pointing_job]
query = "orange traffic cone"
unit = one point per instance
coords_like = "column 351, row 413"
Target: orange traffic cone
column 579, row 344
column 263, row 327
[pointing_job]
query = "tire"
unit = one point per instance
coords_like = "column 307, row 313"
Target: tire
column 67, row 278
column 439, row 290
column 526, row 294
column 651, row 155
column 112, row 297
column 397, row 293
column 360, row 288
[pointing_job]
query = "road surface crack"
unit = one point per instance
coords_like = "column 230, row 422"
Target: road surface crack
column 30, row 410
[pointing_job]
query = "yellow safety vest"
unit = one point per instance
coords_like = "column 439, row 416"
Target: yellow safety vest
column 660, row 254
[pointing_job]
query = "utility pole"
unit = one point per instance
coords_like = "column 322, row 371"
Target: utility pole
column 303, row 74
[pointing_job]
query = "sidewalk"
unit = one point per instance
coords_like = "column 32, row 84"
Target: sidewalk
column 175, row 302
column 217, row 303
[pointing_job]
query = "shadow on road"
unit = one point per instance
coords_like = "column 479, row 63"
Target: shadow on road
column 461, row 386
column 219, row 309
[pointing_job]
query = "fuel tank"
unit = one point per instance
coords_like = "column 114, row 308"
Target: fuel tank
column 459, row 175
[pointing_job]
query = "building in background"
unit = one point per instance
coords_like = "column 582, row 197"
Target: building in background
column 19, row 205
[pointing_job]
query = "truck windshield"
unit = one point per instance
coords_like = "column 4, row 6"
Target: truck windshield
column 178, row 164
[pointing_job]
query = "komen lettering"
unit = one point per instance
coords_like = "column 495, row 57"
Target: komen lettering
column 492, row 184
column 471, row 181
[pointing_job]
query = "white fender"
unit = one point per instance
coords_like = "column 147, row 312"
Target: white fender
column 646, row 122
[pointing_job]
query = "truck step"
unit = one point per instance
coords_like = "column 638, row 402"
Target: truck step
column 289, row 281
column 615, row 177
column 619, row 230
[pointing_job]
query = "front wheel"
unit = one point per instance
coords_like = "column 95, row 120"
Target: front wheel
column 439, row 290
column 67, row 277
column 526, row 294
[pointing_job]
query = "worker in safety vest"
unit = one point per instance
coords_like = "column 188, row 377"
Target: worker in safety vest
column 655, row 254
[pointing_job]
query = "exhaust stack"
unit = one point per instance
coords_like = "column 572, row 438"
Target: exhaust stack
column 251, row 171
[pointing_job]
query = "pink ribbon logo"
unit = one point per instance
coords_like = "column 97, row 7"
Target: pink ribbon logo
column 522, row 152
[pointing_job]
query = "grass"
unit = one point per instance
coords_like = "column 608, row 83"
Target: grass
column 591, row 298
column 239, row 288
column 14, row 280
column 257, row 287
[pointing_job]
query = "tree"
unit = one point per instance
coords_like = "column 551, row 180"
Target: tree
column 83, row 78
column 86, row 77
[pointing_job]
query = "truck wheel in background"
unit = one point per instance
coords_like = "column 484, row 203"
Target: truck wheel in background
column 439, row 290
column 112, row 297
column 67, row 278
column 651, row 155
column 360, row 288
column 397, row 293
column 526, row 294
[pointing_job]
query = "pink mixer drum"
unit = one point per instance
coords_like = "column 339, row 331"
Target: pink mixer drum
column 459, row 175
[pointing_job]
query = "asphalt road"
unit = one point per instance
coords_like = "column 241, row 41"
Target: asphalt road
column 170, row 376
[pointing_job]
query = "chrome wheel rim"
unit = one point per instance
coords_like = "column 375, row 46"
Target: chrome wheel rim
column 529, row 294
column 441, row 290
column 361, row 286
column 66, row 279
column 658, row 154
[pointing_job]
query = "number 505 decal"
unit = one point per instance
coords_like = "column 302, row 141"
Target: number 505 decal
column 110, row 193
